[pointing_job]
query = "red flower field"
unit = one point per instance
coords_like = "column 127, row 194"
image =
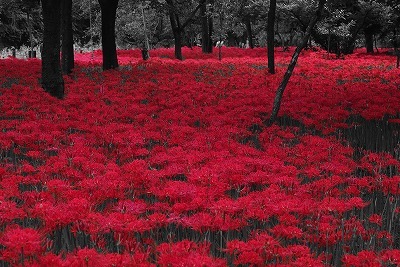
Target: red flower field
column 169, row 163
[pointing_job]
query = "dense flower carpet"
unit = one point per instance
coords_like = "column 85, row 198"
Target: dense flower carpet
column 170, row 163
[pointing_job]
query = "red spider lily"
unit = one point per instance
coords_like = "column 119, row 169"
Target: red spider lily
column 163, row 149
column 258, row 250
column 363, row 258
column 20, row 245
column 186, row 253
column 375, row 219
column 391, row 257
column 48, row 259
column 90, row 257
column 288, row 232
column 9, row 212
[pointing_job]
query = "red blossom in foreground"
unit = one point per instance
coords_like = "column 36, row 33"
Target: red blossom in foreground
column 21, row 244
column 362, row 259
column 186, row 253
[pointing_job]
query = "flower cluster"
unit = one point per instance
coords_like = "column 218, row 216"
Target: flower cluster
column 168, row 163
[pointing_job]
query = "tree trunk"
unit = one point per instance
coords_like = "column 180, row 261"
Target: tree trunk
column 369, row 41
column 289, row 71
column 271, row 36
column 249, row 31
column 204, row 28
column 177, row 27
column 67, row 53
column 108, row 15
column 396, row 49
column 146, row 46
column 210, row 27
column 52, row 80
column 30, row 26
column 178, row 44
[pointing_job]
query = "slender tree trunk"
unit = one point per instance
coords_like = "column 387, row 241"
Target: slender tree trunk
column 67, row 53
column 108, row 15
column 289, row 71
column 249, row 31
column 369, row 41
column 396, row 49
column 146, row 46
column 210, row 27
column 30, row 26
column 271, row 36
column 52, row 80
column 204, row 28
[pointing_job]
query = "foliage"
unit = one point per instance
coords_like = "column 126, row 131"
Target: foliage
column 343, row 21
column 15, row 27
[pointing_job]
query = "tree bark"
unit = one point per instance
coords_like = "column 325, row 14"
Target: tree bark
column 178, row 44
column 210, row 27
column 108, row 15
column 206, row 27
column 146, row 46
column 292, row 65
column 67, row 51
column 396, row 49
column 369, row 41
column 52, row 80
column 249, row 31
column 176, row 29
column 271, row 36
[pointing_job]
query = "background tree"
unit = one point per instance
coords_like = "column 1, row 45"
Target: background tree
column 271, row 36
column 67, row 51
column 109, row 48
column 206, row 10
column 176, row 26
column 52, row 80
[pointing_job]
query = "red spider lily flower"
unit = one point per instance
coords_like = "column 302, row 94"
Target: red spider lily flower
column 187, row 253
column 90, row 257
column 288, row 232
column 391, row 257
column 375, row 219
column 9, row 212
column 363, row 258
column 21, row 244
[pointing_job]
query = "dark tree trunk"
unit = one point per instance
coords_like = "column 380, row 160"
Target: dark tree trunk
column 369, row 41
column 108, row 15
column 271, row 36
column 249, row 32
column 289, row 71
column 178, row 44
column 210, row 28
column 177, row 27
column 204, row 28
column 52, row 80
column 67, row 53
column 396, row 49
